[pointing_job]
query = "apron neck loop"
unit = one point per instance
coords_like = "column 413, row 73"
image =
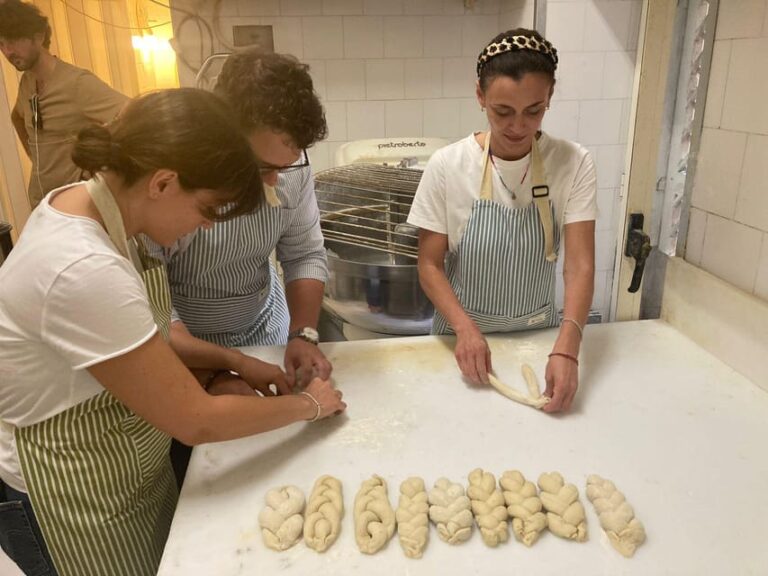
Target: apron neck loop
column 539, row 190
column 107, row 207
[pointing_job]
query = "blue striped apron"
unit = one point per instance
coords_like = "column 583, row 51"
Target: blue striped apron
column 224, row 286
column 503, row 269
column 99, row 477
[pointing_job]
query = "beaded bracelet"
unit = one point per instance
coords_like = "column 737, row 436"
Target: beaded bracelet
column 317, row 406
column 570, row 357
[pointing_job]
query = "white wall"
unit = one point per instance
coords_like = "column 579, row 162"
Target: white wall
column 728, row 229
column 407, row 68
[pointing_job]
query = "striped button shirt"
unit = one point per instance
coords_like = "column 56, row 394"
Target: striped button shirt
column 222, row 283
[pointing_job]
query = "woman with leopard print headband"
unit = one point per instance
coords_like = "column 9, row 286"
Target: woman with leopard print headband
column 497, row 204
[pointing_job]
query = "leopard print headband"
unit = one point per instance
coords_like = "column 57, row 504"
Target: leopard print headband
column 512, row 43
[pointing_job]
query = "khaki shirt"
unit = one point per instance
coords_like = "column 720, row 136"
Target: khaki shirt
column 72, row 99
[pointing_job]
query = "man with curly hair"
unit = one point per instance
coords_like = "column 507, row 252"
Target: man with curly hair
column 223, row 284
column 56, row 100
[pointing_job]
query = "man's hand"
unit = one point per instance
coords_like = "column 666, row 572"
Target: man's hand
column 305, row 361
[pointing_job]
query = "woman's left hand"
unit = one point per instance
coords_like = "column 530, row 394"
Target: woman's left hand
column 260, row 375
column 562, row 377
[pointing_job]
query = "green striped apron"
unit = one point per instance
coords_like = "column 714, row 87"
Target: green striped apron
column 503, row 269
column 99, row 477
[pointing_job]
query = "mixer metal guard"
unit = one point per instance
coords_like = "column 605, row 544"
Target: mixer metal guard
column 372, row 251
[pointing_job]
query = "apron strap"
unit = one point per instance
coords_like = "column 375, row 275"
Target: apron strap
column 540, row 192
column 113, row 221
column 486, row 184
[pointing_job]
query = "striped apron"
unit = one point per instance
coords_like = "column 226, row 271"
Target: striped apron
column 98, row 476
column 224, row 286
column 503, row 269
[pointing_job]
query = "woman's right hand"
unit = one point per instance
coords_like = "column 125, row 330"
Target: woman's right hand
column 473, row 355
column 327, row 396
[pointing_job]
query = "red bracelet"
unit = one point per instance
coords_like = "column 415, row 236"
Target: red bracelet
column 570, row 357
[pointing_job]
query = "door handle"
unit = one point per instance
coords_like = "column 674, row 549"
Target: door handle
column 638, row 247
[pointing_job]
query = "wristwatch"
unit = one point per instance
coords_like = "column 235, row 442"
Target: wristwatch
column 306, row 333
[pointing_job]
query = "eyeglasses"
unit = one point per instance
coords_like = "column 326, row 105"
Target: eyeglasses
column 37, row 117
column 302, row 162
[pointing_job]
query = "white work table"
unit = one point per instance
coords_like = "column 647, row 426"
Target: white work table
column 684, row 437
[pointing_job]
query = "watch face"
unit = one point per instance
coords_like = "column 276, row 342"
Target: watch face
column 310, row 334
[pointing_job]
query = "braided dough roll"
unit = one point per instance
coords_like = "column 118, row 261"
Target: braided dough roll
column 413, row 517
column 374, row 517
column 617, row 517
column 488, row 507
column 524, row 507
column 280, row 519
column 451, row 511
column 324, row 511
column 565, row 514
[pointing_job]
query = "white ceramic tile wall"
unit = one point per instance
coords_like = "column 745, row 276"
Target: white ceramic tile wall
column 697, row 226
column 761, row 282
column 728, row 226
column 731, row 251
column 752, row 200
column 406, row 67
column 718, row 75
column 718, row 171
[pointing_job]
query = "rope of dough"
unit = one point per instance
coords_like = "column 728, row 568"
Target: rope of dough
column 374, row 517
column 450, row 510
column 488, row 507
column 524, row 506
column 565, row 513
column 413, row 517
column 535, row 400
column 324, row 511
column 280, row 519
column 616, row 516
column 531, row 381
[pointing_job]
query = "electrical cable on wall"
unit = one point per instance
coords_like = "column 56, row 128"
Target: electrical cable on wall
column 118, row 26
column 177, row 33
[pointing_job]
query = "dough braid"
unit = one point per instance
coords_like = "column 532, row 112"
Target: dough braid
column 451, row 511
column 617, row 517
column 524, row 507
column 280, row 519
column 324, row 511
column 374, row 517
column 565, row 514
column 413, row 517
column 488, row 507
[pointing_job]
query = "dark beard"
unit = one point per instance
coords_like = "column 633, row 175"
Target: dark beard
column 28, row 64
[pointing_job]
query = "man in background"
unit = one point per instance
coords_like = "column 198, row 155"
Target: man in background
column 56, row 100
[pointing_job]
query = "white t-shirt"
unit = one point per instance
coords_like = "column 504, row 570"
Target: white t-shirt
column 68, row 300
column 451, row 184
